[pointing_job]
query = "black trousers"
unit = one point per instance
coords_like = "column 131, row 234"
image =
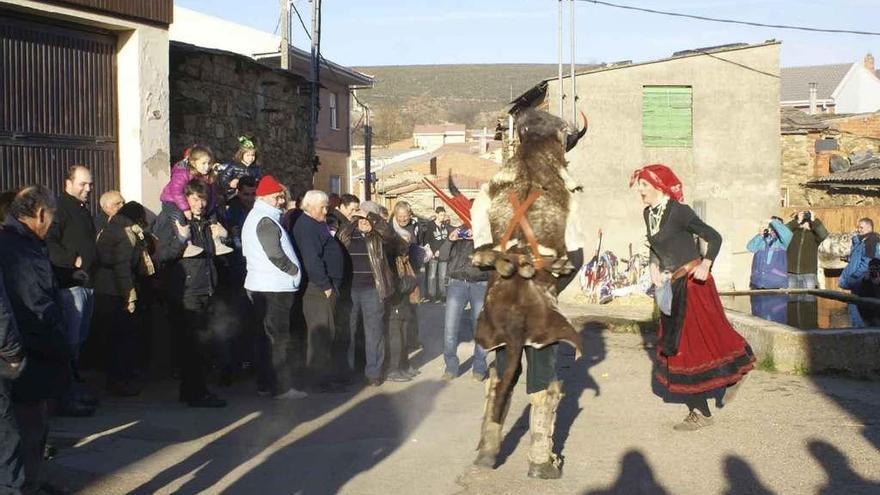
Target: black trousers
column 400, row 316
column 119, row 330
column 11, row 466
column 320, row 315
column 33, row 426
column 194, row 337
column 541, row 370
column 273, row 363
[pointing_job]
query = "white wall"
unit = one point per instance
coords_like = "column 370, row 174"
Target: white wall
column 859, row 92
column 207, row 31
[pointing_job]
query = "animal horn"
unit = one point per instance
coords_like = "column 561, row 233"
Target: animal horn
column 572, row 139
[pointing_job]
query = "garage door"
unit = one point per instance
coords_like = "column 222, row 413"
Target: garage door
column 57, row 103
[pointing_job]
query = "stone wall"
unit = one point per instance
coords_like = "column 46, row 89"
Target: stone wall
column 217, row 96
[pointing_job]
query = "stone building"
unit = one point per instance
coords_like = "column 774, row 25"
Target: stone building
column 217, row 96
column 711, row 114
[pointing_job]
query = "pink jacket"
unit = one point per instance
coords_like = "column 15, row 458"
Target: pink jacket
column 173, row 192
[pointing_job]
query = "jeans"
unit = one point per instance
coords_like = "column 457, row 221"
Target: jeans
column 436, row 275
column 366, row 301
column 76, row 307
column 400, row 316
column 802, row 281
column 11, row 468
column 194, row 336
column 458, row 294
column 273, row 364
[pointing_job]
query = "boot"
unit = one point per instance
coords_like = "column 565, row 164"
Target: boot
column 543, row 463
column 490, row 432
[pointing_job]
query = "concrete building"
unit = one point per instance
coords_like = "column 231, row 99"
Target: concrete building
column 114, row 119
column 333, row 133
column 835, row 88
column 710, row 114
column 431, row 137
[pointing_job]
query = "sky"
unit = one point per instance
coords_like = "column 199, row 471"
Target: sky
column 405, row 32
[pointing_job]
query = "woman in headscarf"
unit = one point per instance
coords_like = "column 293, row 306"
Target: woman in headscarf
column 699, row 354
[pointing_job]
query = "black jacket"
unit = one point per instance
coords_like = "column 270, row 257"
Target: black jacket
column 120, row 250
column 72, row 234
column 194, row 276
column 460, row 266
column 10, row 340
column 33, row 296
column 321, row 254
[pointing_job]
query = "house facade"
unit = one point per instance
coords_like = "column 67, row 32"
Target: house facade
column 836, row 88
column 712, row 115
column 98, row 94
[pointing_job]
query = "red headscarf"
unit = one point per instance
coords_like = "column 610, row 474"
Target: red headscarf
column 661, row 177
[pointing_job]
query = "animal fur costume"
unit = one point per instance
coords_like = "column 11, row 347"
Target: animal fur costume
column 520, row 308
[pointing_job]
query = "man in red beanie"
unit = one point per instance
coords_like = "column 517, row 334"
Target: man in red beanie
column 273, row 277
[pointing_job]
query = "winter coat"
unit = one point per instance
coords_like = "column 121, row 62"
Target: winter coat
column 121, row 249
column 72, row 235
column 863, row 250
column 11, row 350
column 770, row 263
column 175, row 191
column 33, row 296
column 381, row 243
column 272, row 264
column 232, row 170
column 320, row 253
column 803, row 250
column 460, row 266
column 194, row 276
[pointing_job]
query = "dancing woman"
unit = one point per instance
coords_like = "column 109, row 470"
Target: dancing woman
column 699, row 354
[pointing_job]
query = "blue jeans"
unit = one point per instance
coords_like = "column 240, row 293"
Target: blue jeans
column 436, row 279
column 367, row 302
column 76, row 307
column 458, row 293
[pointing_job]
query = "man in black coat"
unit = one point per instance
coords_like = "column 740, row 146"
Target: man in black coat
column 71, row 243
column 33, row 296
column 11, row 362
column 190, row 280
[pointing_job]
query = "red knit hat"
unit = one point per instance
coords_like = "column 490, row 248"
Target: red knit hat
column 661, row 177
column 268, row 185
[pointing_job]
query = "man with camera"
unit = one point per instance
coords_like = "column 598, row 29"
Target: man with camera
column 803, row 250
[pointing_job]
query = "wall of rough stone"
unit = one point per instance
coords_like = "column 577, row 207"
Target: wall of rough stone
column 217, row 96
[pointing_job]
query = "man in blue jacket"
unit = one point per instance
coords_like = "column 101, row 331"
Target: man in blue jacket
column 770, row 269
column 864, row 249
column 33, row 297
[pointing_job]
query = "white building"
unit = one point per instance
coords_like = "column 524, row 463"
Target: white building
column 836, row 88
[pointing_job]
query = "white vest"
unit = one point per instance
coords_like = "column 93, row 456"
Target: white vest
column 262, row 274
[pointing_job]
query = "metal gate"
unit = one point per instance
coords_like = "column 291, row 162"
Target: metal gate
column 57, row 103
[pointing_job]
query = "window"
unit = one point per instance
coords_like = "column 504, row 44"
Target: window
column 667, row 116
column 334, row 121
column 335, row 184
column 783, row 197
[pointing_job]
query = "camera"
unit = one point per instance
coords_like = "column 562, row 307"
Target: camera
column 464, row 233
column 766, row 232
column 807, row 218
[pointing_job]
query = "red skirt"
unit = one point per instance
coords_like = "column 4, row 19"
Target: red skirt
column 711, row 354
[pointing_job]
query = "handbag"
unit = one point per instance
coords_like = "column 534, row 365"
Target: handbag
column 407, row 283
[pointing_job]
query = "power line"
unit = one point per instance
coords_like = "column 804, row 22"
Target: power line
column 277, row 25
column 301, row 23
column 732, row 21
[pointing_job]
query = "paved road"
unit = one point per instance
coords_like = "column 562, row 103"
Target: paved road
column 784, row 434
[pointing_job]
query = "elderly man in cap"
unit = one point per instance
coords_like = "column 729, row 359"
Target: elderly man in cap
column 273, row 277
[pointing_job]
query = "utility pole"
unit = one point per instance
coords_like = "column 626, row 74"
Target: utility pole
column 574, row 105
column 285, row 34
column 559, row 45
column 368, row 144
column 316, row 67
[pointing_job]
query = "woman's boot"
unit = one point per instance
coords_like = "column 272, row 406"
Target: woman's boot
column 543, row 463
column 490, row 431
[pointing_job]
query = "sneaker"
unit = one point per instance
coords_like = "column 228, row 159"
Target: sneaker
column 192, row 250
column 694, row 421
column 447, row 376
column 411, row 372
column 291, row 394
column 397, row 376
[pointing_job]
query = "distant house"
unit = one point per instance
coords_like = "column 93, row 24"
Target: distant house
column 711, row 114
column 836, row 88
column 333, row 134
column 431, row 137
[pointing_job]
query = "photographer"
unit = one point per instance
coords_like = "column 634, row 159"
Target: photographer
column 467, row 284
column 770, row 265
column 803, row 259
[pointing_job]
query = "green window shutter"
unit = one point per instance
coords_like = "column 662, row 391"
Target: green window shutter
column 667, row 116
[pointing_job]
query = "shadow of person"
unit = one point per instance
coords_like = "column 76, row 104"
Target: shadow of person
column 741, row 478
column 841, row 477
column 636, row 477
column 326, row 459
column 576, row 378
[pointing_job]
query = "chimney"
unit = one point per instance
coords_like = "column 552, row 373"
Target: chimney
column 483, row 141
column 813, row 91
column 433, row 166
column 869, row 62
